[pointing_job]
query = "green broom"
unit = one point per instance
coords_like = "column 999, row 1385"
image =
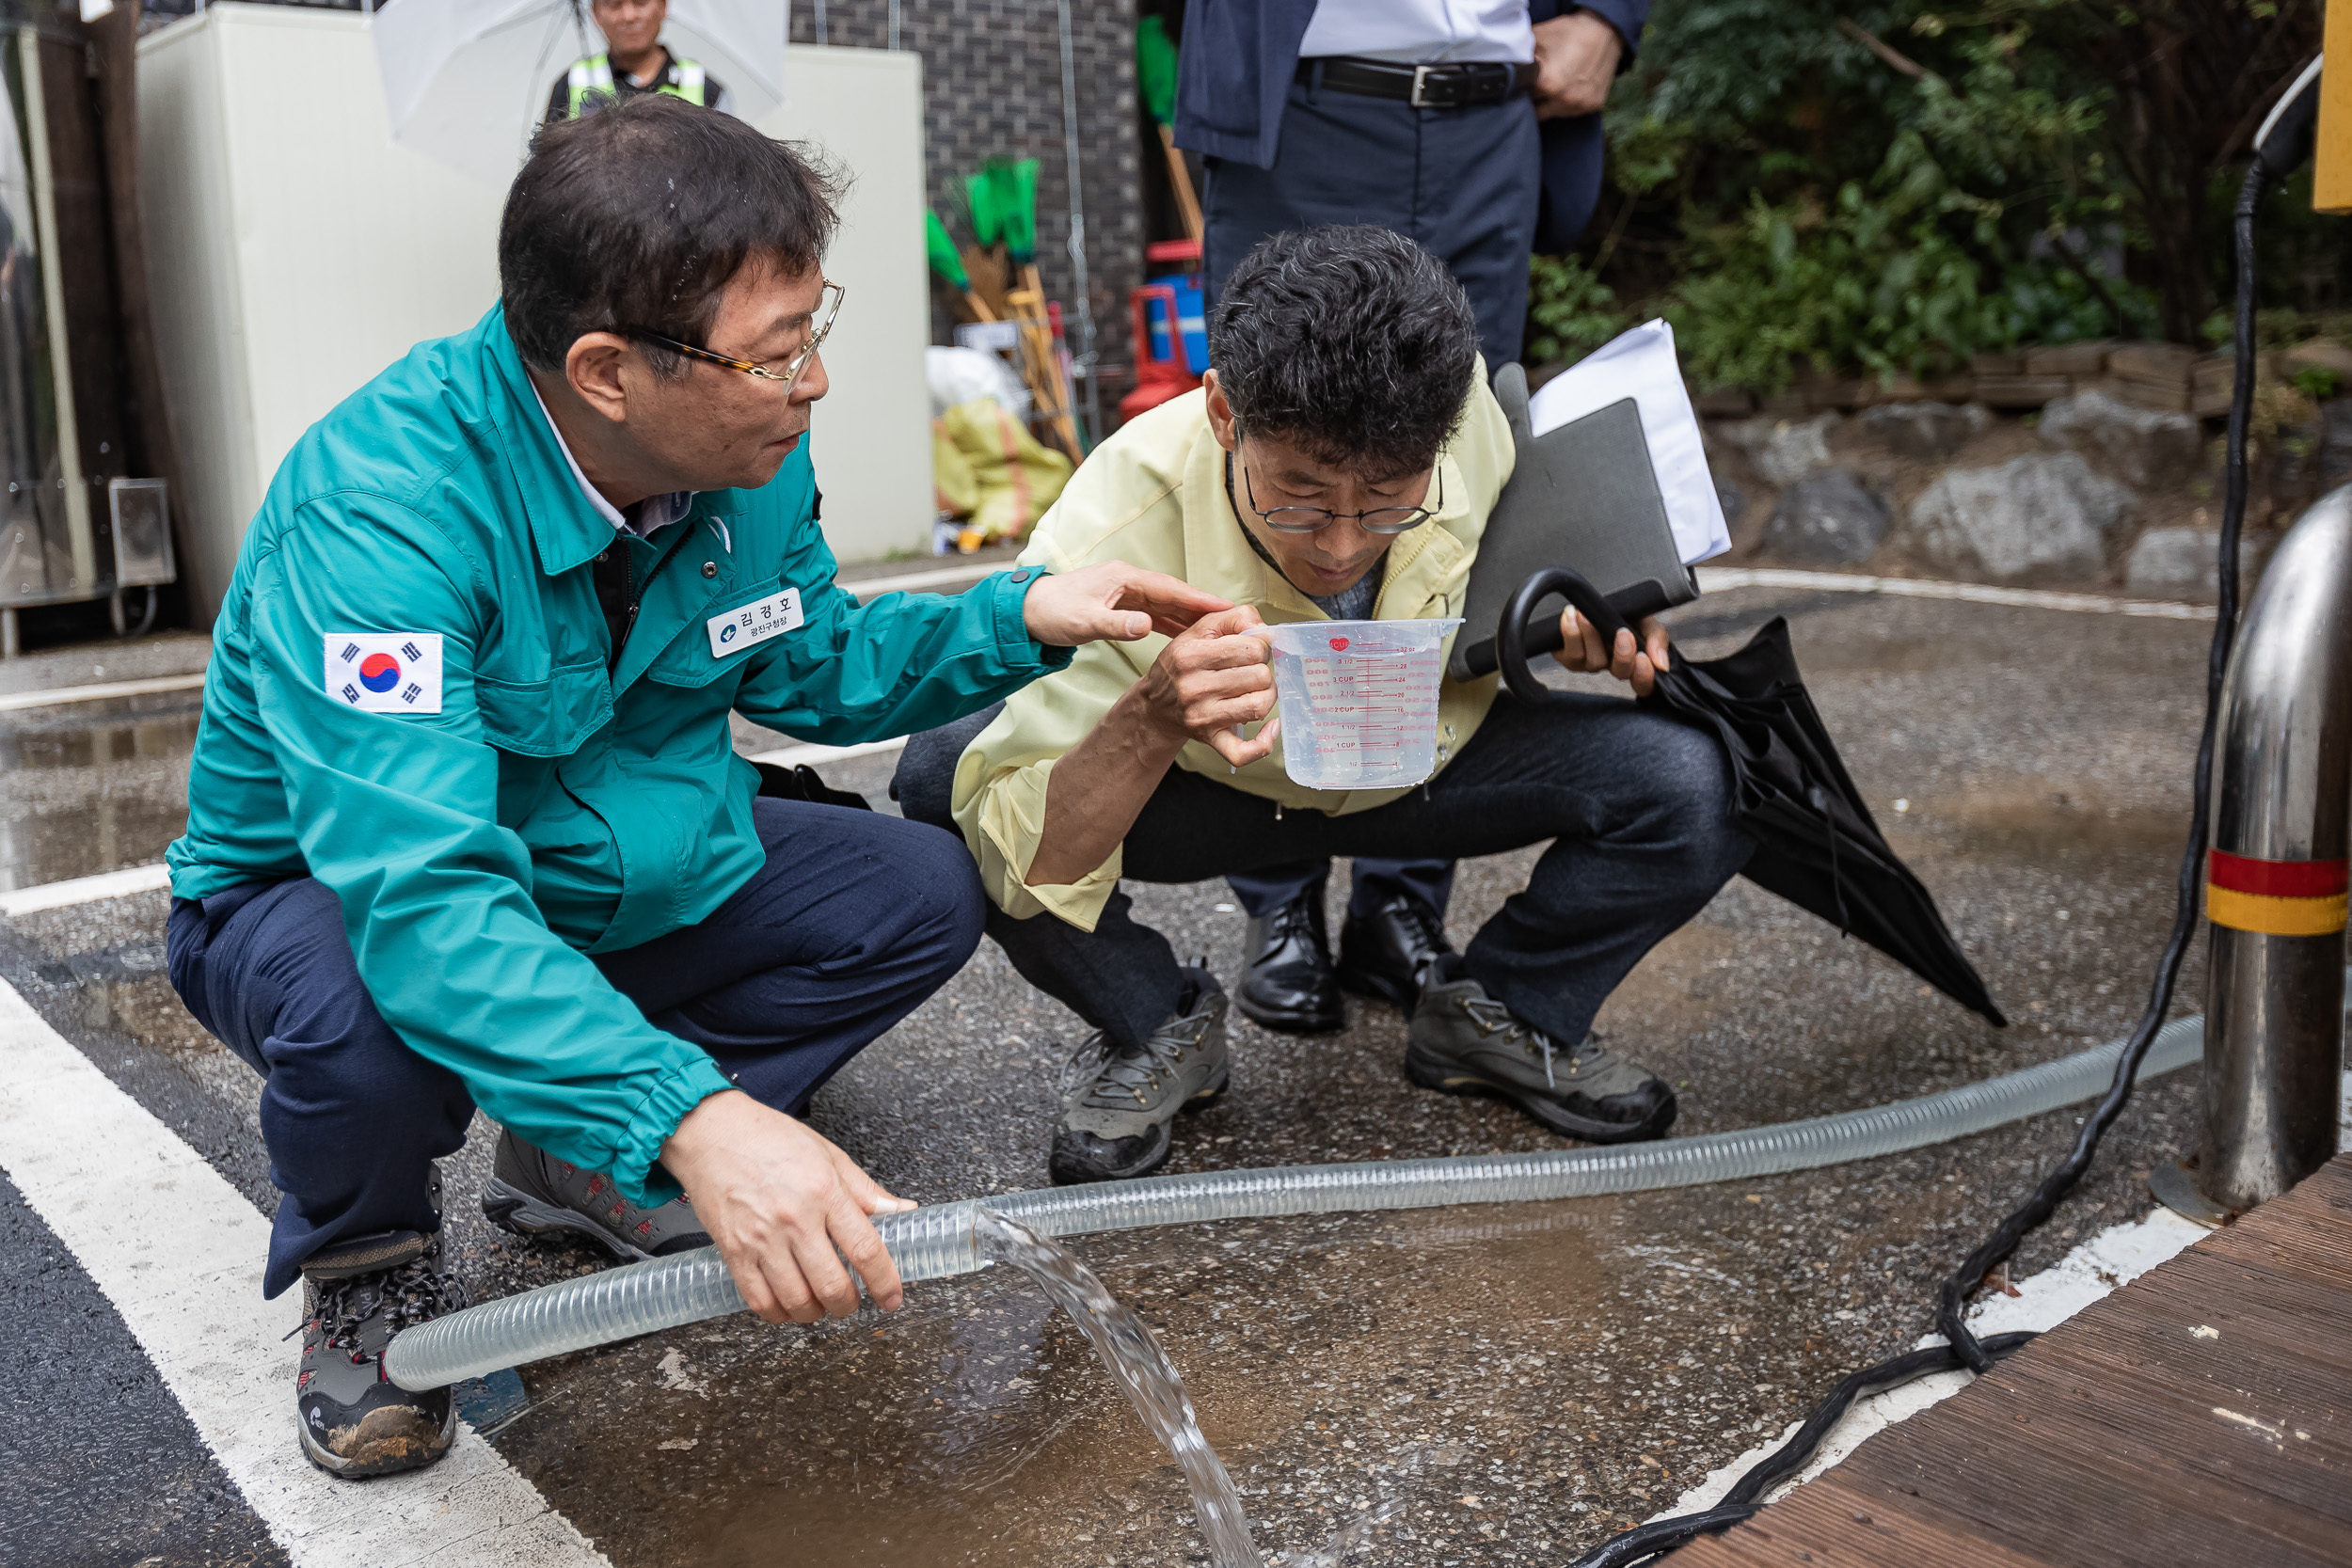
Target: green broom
column 1003, row 197
column 1155, row 75
column 949, row 266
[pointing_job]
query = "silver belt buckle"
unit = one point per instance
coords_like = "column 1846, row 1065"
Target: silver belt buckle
column 1420, row 78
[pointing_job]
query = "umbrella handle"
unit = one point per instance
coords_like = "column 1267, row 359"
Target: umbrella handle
column 1514, row 639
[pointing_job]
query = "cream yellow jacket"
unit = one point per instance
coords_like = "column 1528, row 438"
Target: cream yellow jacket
column 1153, row 495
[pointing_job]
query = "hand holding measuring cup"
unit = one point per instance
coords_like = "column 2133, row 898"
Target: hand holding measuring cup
column 1212, row 680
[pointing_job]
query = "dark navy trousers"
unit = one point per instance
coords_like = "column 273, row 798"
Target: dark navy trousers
column 1465, row 184
column 1637, row 807
column 855, row 918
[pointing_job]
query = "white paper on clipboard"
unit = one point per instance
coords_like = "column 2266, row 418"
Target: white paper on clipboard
column 1641, row 365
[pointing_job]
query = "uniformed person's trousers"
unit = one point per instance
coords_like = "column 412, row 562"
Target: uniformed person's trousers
column 856, row 917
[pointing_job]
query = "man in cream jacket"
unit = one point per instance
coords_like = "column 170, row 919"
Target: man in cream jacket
column 1339, row 462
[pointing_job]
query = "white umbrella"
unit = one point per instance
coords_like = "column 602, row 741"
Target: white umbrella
column 467, row 81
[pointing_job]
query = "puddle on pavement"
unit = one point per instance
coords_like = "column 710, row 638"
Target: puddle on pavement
column 1137, row 1363
column 92, row 787
column 1351, row 1372
column 2039, row 821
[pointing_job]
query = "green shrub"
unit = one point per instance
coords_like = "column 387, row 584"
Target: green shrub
column 1569, row 312
column 1887, row 188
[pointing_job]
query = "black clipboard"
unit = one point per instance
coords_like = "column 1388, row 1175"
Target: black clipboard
column 1585, row 497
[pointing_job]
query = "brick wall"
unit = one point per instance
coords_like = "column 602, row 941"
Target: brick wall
column 992, row 86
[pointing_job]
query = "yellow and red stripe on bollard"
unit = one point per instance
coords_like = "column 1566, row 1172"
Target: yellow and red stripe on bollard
column 2279, row 898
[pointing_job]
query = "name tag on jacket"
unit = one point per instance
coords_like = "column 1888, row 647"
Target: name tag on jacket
column 748, row 626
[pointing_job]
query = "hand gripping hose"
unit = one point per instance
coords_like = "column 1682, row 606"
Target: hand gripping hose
column 934, row 1243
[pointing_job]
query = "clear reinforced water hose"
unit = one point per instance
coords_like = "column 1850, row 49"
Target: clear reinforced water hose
column 937, row 1242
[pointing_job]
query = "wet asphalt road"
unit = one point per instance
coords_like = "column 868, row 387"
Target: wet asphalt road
column 1474, row 1386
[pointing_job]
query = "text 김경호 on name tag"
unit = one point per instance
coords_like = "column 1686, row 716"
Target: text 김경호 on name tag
column 747, row 625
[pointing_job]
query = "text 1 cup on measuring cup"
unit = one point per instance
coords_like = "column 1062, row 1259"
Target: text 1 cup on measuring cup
column 1358, row 701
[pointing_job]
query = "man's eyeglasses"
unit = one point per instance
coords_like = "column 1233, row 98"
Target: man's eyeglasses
column 1313, row 519
column 828, row 309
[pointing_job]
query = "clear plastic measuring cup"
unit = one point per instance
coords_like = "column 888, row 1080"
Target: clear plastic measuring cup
column 1358, row 701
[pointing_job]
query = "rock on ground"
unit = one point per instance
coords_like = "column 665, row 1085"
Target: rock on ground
column 1826, row 518
column 1783, row 450
column 2044, row 512
column 2142, row 447
column 1733, row 499
column 2186, row 562
column 1926, row 430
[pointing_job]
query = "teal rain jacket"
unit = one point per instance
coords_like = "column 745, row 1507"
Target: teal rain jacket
column 548, row 809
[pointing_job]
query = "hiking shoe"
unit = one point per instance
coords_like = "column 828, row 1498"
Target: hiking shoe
column 1391, row 954
column 531, row 1192
column 1117, row 1104
column 1288, row 983
column 354, row 1420
column 1464, row 1041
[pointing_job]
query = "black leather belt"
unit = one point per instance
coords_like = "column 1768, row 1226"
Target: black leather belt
column 1461, row 85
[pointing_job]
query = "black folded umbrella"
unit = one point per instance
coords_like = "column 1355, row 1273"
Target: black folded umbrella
column 1815, row 844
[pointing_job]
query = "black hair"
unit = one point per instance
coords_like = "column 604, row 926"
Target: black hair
column 1348, row 341
column 638, row 215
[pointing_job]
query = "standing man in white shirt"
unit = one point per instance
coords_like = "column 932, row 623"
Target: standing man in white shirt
column 1473, row 128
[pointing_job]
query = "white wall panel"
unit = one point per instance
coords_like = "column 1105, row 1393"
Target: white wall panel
column 294, row 251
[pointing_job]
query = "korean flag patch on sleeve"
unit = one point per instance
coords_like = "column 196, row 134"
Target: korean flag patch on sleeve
column 384, row 672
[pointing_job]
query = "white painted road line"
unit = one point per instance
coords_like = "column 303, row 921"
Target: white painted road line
column 84, row 889
column 179, row 1252
column 15, row 700
column 791, row 757
column 2107, row 1262
column 2114, row 1257
column 1712, row 578
column 914, row 581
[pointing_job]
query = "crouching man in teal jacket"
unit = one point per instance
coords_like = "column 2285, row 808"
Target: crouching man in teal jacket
column 466, row 824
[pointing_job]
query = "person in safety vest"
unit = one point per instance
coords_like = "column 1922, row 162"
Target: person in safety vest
column 634, row 62
column 466, row 825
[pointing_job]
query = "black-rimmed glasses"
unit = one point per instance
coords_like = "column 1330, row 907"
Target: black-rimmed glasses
column 1313, row 519
column 828, row 310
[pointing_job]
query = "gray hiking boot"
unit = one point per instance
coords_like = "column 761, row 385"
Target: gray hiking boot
column 355, row 1297
column 531, row 1192
column 1117, row 1104
column 1464, row 1041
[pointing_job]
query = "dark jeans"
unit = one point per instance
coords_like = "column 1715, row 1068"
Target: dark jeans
column 1462, row 182
column 1372, row 882
column 855, row 919
column 1638, row 808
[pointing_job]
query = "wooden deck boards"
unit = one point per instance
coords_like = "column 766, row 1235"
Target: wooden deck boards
column 2201, row 1415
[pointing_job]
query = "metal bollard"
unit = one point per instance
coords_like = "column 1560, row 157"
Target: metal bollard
column 2275, row 879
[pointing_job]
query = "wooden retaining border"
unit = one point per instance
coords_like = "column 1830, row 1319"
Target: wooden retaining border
column 2200, row 1414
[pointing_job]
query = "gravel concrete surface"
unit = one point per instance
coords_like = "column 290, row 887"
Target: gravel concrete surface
column 1474, row 1386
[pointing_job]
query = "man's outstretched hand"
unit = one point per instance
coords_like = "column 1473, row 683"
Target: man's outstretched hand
column 778, row 1198
column 1114, row 600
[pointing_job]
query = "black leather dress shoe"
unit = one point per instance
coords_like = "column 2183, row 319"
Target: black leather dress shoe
column 1389, row 954
column 1288, row 985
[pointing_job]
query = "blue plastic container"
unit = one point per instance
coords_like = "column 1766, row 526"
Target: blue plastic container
column 1192, row 321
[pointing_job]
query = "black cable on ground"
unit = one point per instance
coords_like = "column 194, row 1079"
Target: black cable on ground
column 1965, row 1348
